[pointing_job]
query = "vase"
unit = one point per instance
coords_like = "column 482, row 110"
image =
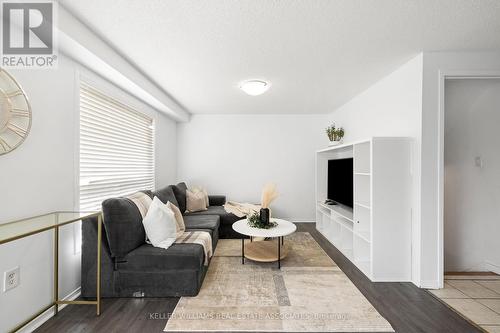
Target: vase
column 335, row 143
column 264, row 215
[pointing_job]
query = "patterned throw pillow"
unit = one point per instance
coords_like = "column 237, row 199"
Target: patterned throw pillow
column 195, row 201
column 206, row 197
column 181, row 227
column 205, row 193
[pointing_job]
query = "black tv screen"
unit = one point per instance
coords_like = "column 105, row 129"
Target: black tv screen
column 340, row 181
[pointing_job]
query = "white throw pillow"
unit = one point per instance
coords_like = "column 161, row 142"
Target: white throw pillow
column 160, row 224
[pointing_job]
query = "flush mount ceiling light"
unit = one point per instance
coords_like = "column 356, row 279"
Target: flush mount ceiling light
column 254, row 87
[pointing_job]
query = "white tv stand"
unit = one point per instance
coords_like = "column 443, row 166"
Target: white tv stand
column 376, row 233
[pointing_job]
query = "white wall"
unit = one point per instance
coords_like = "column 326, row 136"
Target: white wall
column 391, row 107
column 40, row 177
column 472, row 193
column 236, row 155
column 165, row 151
column 436, row 66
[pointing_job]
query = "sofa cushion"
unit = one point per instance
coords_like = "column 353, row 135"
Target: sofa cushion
column 216, row 200
column 211, row 222
column 165, row 195
column 180, row 194
column 123, row 226
column 147, row 258
column 208, row 223
column 225, row 217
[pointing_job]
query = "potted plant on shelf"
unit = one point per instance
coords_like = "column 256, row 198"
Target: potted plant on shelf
column 335, row 135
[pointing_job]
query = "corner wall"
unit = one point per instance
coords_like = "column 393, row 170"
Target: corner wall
column 237, row 155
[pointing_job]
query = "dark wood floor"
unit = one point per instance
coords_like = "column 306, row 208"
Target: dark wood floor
column 406, row 307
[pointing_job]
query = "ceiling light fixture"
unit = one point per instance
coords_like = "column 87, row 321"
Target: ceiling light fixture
column 254, row 87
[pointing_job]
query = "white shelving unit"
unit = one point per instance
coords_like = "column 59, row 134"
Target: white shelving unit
column 376, row 233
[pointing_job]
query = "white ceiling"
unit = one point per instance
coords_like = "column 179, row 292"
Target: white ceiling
column 317, row 54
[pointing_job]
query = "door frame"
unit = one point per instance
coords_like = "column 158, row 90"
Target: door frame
column 443, row 76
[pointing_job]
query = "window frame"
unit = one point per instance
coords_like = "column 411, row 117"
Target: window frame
column 122, row 97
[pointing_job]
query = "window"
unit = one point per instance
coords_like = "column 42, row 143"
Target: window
column 116, row 149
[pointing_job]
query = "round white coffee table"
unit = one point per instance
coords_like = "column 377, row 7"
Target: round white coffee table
column 264, row 251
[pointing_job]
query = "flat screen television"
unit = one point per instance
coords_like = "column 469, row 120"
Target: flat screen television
column 340, row 181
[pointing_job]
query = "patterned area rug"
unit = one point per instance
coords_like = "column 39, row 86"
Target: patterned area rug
column 309, row 294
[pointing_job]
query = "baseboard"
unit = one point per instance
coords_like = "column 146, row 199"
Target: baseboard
column 492, row 267
column 485, row 266
column 302, row 221
column 38, row 321
column 430, row 284
column 392, row 280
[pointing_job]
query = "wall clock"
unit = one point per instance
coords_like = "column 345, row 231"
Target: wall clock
column 15, row 114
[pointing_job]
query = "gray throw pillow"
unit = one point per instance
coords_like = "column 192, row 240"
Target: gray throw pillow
column 180, row 194
column 165, row 195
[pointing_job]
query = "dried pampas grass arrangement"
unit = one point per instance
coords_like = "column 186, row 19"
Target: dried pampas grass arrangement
column 269, row 193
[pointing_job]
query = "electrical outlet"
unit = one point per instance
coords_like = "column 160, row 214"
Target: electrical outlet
column 11, row 279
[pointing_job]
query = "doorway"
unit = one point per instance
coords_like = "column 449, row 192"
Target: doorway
column 472, row 175
column 471, row 207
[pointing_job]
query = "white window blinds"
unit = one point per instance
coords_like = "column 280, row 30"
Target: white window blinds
column 116, row 149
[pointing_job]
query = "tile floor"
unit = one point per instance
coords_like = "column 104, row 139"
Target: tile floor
column 476, row 297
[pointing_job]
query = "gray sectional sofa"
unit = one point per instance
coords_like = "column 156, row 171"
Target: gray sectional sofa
column 132, row 268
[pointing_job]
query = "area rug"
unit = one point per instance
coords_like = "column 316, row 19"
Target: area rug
column 308, row 294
